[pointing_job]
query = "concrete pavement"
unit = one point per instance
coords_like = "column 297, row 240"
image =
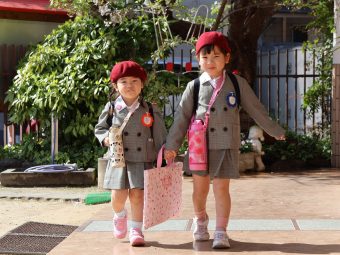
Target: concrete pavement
column 272, row 213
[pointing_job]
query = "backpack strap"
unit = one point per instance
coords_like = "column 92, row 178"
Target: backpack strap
column 152, row 115
column 236, row 87
column 196, row 91
column 109, row 118
column 235, row 84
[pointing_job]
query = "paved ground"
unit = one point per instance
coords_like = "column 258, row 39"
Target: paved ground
column 48, row 205
column 272, row 213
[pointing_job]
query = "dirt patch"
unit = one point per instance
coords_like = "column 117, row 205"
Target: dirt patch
column 16, row 212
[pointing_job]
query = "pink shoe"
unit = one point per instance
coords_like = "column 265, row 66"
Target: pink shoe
column 119, row 226
column 136, row 237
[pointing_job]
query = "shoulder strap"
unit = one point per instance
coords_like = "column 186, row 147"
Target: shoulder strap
column 109, row 118
column 151, row 113
column 196, row 91
column 236, row 87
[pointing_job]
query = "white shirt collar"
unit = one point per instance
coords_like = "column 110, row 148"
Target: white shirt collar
column 121, row 105
column 205, row 77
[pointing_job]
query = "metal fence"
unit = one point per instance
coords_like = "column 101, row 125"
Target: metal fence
column 182, row 63
column 283, row 77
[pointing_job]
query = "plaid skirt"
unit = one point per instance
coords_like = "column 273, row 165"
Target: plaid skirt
column 129, row 177
column 222, row 164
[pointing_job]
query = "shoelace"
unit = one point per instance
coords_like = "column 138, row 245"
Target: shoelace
column 220, row 236
column 201, row 228
column 136, row 232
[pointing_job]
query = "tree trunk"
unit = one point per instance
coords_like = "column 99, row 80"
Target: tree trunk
column 219, row 15
column 247, row 21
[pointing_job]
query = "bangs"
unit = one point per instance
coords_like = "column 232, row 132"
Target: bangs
column 207, row 49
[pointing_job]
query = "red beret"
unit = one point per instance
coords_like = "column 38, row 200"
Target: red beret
column 213, row 37
column 127, row 68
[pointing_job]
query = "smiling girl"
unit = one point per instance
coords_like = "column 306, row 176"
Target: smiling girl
column 223, row 132
column 134, row 131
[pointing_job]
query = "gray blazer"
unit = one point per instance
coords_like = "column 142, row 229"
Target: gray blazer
column 137, row 142
column 224, row 121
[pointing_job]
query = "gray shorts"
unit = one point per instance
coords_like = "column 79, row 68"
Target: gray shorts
column 222, row 164
column 129, row 177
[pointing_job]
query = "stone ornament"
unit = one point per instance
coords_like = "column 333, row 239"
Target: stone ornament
column 256, row 136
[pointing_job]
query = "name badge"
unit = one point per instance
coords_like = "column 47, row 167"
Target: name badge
column 231, row 99
column 147, row 120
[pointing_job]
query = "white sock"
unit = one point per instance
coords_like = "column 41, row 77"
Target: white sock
column 120, row 214
column 136, row 224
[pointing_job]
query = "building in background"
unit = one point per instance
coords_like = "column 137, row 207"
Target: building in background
column 22, row 23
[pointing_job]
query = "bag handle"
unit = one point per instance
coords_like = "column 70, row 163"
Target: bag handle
column 160, row 157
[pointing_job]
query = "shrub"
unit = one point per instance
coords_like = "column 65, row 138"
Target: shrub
column 246, row 145
column 299, row 147
column 68, row 73
column 38, row 152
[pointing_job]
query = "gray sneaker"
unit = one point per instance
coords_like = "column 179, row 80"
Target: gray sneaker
column 201, row 230
column 220, row 240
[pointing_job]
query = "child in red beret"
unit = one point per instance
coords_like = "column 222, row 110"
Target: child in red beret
column 222, row 120
column 134, row 131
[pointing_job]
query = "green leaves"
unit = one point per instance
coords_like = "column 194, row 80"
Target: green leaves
column 300, row 147
column 68, row 73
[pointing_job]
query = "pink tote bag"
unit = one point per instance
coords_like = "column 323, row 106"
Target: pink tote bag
column 162, row 192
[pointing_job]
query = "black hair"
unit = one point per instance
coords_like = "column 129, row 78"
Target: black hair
column 141, row 99
column 210, row 47
column 113, row 95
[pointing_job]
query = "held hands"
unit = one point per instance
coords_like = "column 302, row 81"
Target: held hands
column 169, row 155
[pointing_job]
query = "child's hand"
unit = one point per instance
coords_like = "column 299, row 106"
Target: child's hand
column 169, row 155
column 281, row 138
column 106, row 142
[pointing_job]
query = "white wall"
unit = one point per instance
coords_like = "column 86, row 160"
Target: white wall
column 24, row 32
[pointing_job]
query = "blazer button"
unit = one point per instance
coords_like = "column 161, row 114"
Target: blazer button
column 225, row 129
column 139, row 134
column 225, row 109
column 126, row 149
column 139, row 149
column 212, row 129
column 212, row 109
column 126, row 133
